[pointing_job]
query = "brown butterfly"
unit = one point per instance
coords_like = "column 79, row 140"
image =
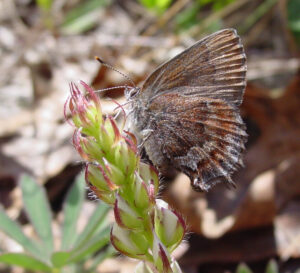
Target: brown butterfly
column 187, row 112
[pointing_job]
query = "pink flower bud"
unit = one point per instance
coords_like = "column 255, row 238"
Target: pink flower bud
column 85, row 110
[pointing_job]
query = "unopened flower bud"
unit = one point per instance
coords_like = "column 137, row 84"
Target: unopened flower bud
column 109, row 135
column 85, row 109
column 96, row 175
column 126, row 158
column 142, row 199
column 169, row 226
column 149, row 174
column 125, row 216
column 113, row 172
column 128, row 242
column 106, row 196
column 88, row 148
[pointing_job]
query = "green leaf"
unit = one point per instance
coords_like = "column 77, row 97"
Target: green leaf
column 90, row 247
column 38, row 210
column 60, row 258
column 220, row 4
column 14, row 231
column 25, row 261
column 83, row 17
column 272, row 267
column 243, row 268
column 95, row 222
column 156, row 5
column 293, row 13
column 72, row 207
column 44, row 4
column 293, row 17
column 188, row 17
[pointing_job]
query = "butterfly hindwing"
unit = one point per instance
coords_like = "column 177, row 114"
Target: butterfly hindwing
column 203, row 138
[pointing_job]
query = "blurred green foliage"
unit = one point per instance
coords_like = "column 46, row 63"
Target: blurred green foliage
column 293, row 15
column 83, row 17
column 44, row 5
column 75, row 248
column 190, row 16
column 158, row 6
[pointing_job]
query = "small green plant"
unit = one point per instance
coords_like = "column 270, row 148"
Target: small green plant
column 75, row 249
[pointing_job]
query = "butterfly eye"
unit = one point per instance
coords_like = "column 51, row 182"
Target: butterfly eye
column 130, row 92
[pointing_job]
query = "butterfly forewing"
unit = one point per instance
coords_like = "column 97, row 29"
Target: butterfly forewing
column 215, row 67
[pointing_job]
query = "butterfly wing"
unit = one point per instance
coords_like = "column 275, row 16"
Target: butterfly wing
column 191, row 108
column 202, row 137
column 214, row 67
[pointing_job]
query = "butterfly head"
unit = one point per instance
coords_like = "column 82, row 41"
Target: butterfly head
column 131, row 92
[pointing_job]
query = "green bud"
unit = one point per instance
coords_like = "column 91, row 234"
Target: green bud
column 149, row 174
column 169, row 226
column 125, row 216
column 114, row 173
column 141, row 196
column 107, row 197
column 96, row 175
column 91, row 148
column 126, row 158
column 129, row 243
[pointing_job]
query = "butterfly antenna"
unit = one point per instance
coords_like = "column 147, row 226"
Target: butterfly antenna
column 116, row 70
column 111, row 88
